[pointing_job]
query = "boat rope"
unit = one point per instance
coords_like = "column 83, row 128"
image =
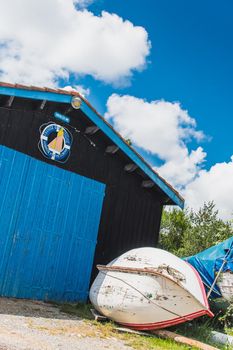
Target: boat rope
column 219, row 271
column 151, row 301
column 216, row 278
column 208, row 288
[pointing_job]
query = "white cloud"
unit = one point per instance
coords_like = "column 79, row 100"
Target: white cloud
column 213, row 185
column 182, row 170
column 43, row 40
column 163, row 129
column 78, row 88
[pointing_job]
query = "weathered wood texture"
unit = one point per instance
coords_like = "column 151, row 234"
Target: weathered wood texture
column 183, row 340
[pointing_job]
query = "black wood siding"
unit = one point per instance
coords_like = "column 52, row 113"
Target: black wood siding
column 131, row 215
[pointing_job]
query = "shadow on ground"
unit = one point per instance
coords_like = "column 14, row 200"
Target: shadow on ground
column 34, row 308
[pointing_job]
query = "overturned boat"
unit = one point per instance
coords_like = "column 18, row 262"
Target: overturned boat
column 149, row 288
column 215, row 267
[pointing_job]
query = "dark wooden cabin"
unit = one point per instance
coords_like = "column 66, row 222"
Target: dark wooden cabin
column 73, row 194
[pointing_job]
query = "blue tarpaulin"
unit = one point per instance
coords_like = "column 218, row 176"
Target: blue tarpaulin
column 210, row 261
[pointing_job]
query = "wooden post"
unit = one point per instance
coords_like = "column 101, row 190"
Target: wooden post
column 10, row 101
column 112, row 149
column 147, row 184
column 91, row 130
column 183, row 340
column 130, row 167
column 42, row 105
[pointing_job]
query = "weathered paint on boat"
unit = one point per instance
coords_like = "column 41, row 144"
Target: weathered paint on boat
column 225, row 284
column 149, row 288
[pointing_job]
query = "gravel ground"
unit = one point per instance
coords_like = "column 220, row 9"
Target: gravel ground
column 27, row 325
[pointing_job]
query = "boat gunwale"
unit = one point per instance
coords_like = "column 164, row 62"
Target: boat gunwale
column 138, row 270
column 168, row 323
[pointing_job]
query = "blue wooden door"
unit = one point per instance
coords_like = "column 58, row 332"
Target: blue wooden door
column 49, row 221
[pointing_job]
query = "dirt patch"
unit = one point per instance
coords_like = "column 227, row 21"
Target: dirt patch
column 27, row 325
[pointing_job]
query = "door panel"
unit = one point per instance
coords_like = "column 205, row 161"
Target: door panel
column 48, row 228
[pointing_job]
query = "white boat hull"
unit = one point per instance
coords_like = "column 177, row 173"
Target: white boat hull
column 149, row 288
column 225, row 284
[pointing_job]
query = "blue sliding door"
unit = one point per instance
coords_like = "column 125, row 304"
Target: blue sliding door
column 49, row 220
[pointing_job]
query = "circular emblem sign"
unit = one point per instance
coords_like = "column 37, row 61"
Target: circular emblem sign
column 55, row 142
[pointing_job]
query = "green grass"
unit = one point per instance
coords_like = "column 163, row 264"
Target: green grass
column 229, row 331
column 108, row 329
column 140, row 342
column 81, row 310
column 199, row 329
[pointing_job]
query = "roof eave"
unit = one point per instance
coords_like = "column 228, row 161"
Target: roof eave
column 61, row 96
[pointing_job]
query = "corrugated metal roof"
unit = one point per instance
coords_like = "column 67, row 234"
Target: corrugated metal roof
column 62, row 95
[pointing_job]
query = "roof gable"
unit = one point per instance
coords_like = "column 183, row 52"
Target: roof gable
column 62, row 96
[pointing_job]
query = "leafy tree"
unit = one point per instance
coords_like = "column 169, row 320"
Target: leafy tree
column 173, row 227
column 185, row 233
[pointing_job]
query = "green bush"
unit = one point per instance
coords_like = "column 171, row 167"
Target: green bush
column 185, row 233
column 227, row 318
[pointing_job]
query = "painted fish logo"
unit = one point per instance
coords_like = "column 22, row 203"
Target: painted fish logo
column 55, row 142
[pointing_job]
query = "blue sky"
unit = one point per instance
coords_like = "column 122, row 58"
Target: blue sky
column 159, row 70
column 191, row 61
